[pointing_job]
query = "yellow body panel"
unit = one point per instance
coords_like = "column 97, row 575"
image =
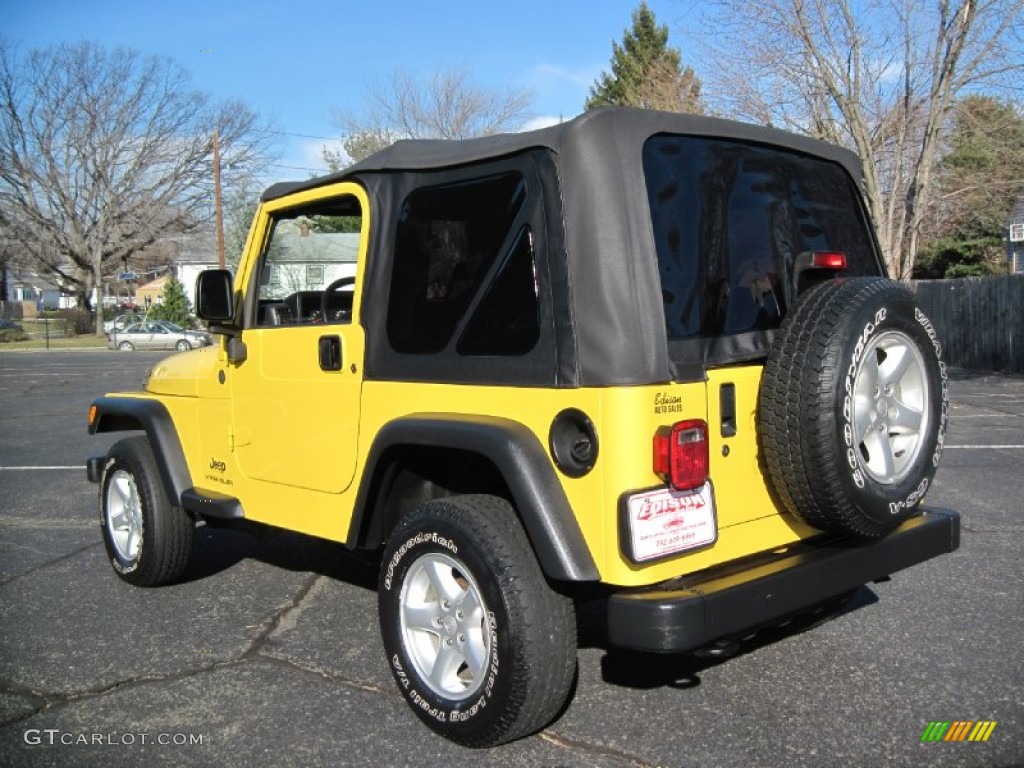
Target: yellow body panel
column 295, row 424
column 291, row 441
column 626, row 419
column 739, row 482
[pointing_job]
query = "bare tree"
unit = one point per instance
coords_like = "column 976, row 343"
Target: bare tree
column 880, row 76
column 444, row 105
column 665, row 88
column 240, row 204
column 360, row 144
column 103, row 151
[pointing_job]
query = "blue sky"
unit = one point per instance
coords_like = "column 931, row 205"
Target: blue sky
column 295, row 61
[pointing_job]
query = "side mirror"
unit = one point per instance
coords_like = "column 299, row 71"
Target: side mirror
column 215, row 297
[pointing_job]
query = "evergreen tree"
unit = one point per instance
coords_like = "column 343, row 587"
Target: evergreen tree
column 980, row 178
column 646, row 72
column 175, row 306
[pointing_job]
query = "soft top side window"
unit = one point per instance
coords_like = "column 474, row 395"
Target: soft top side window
column 461, row 250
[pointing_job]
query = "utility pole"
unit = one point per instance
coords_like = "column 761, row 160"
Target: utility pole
column 217, row 209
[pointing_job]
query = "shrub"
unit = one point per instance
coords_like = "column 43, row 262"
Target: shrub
column 175, row 307
column 75, row 322
column 12, row 334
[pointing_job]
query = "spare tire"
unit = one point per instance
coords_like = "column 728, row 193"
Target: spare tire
column 853, row 407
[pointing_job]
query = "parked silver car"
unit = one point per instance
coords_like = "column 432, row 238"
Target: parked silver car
column 121, row 322
column 157, row 334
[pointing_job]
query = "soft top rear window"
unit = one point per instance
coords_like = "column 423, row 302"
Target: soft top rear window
column 730, row 219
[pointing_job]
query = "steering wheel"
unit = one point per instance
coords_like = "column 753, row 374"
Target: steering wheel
column 325, row 301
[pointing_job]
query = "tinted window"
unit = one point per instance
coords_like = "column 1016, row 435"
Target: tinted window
column 507, row 320
column 449, row 239
column 729, row 221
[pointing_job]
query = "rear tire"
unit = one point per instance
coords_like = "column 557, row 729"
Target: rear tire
column 126, row 346
column 482, row 648
column 148, row 541
column 853, row 407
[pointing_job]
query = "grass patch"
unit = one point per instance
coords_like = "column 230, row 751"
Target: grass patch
column 36, row 331
column 59, row 342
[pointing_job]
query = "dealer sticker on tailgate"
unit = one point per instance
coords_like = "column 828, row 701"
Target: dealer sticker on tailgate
column 664, row 521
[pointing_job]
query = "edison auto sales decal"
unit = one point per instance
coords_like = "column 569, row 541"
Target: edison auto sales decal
column 663, row 522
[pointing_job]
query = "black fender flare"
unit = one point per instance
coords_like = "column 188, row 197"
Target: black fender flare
column 537, row 495
column 121, row 414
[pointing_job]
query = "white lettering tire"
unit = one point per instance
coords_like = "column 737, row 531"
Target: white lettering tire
column 482, row 648
column 148, row 541
column 853, row 407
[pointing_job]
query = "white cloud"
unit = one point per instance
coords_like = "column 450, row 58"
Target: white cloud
column 581, row 78
column 303, row 158
column 561, row 91
column 541, row 121
column 313, row 151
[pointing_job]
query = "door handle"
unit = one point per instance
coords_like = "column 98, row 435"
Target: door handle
column 330, row 353
column 727, row 407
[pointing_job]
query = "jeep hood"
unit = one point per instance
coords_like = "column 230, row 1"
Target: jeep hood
column 182, row 374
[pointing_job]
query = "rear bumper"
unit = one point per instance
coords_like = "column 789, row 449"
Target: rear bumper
column 720, row 604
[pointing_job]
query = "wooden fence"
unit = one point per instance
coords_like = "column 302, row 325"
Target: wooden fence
column 980, row 320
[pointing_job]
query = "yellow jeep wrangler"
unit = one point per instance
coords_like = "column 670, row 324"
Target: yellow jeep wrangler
column 647, row 356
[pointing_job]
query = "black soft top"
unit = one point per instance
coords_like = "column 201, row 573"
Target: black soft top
column 614, row 309
column 602, row 133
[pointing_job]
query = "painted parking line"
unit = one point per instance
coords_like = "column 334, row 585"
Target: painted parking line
column 983, row 447
column 35, row 378
column 996, row 415
column 41, row 468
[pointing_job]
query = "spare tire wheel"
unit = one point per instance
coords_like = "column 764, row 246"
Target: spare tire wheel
column 853, row 407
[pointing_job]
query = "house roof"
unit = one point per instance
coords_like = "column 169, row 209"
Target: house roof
column 32, row 279
column 196, row 248
column 291, row 246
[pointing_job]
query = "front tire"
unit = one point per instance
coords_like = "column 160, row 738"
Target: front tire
column 183, row 346
column 480, row 645
column 148, row 541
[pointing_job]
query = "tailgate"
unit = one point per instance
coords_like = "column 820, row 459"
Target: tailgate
column 740, row 490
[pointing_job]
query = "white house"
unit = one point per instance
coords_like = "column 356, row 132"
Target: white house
column 31, row 288
column 1015, row 241
column 303, row 260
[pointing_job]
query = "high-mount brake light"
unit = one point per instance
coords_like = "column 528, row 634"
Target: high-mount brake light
column 681, row 454
column 828, row 260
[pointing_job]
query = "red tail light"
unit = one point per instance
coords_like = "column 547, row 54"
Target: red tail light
column 828, row 260
column 681, row 454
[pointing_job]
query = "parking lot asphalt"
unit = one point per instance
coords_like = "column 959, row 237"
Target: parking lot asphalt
column 268, row 652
